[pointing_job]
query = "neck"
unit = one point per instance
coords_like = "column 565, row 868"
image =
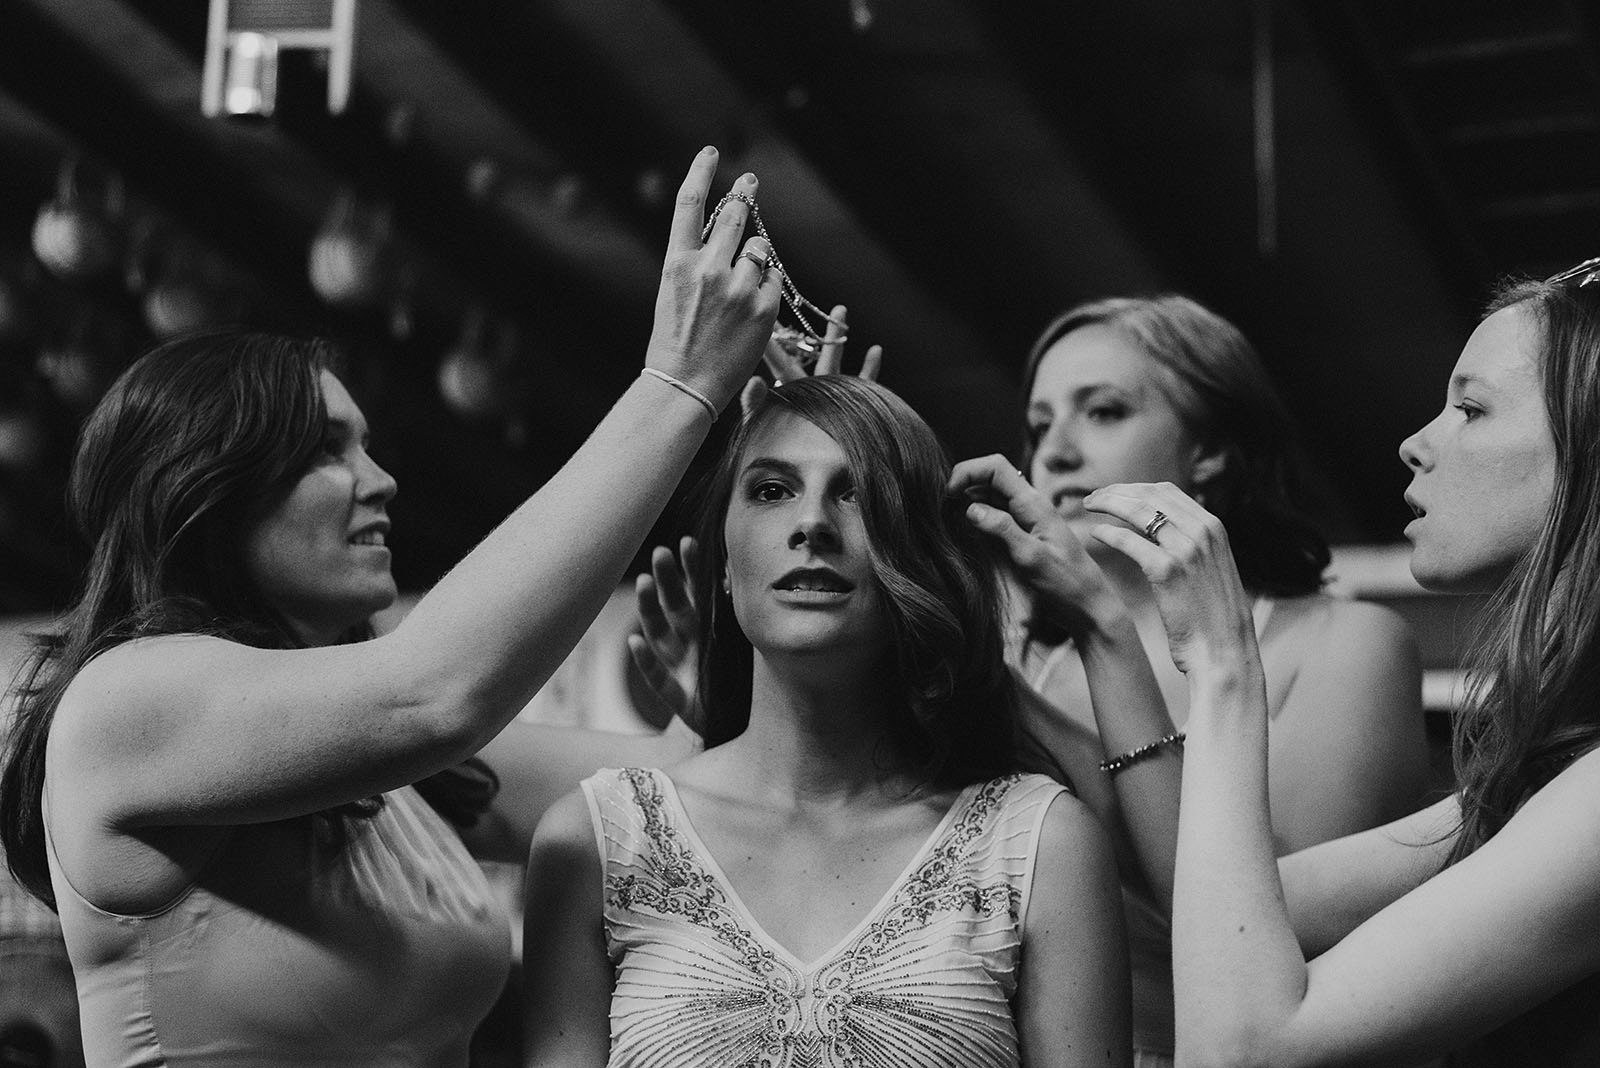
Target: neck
column 815, row 732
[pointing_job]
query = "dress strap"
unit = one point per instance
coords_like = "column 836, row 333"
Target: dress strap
column 1261, row 611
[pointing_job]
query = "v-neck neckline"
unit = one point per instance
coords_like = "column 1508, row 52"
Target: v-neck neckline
column 703, row 855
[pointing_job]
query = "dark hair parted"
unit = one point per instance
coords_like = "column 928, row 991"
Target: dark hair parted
column 193, row 444
column 1227, row 402
column 953, row 716
column 1533, row 703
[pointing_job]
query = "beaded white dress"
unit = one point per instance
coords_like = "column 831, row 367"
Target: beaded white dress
column 925, row 980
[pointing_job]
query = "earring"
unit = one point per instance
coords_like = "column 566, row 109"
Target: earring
column 727, row 585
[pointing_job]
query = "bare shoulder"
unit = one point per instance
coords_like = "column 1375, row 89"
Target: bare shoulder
column 1074, row 885
column 1317, row 619
column 1340, row 640
column 1070, row 830
column 1574, row 793
column 565, row 823
column 103, row 700
column 563, row 846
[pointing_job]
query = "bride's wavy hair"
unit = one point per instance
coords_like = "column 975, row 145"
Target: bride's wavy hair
column 193, row 444
column 954, row 717
column 1533, row 701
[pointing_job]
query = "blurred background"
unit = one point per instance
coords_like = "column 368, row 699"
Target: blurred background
column 471, row 198
column 480, row 221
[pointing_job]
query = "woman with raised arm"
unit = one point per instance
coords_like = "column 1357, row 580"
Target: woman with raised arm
column 1469, row 926
column 853, row 872
column 1162, row 389
column 210, row 780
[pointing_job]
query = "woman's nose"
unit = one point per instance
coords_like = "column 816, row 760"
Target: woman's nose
column 814, row 526
column 1058, row 449
column 374, row 483
column 1414, row 452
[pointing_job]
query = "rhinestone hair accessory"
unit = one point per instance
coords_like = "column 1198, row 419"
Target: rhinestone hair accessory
column 804, row 342
column 1585, row 272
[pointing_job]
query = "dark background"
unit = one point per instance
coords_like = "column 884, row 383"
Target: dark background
column 956, row 171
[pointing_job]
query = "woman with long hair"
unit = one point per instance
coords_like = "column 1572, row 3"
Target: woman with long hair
column 1469, row 926
column 209, row 776
column 853, row 872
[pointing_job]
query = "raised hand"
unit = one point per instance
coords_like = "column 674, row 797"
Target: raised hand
column 1184, row 553
column 717, row 302
column 1068, row 588
column 666, row 650
column 785, row 366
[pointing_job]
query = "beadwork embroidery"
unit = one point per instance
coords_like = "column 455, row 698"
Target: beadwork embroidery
column 872, row 1002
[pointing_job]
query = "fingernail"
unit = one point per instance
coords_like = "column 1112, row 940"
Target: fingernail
column 709, row 150
column 747, row 178
column 977, row 512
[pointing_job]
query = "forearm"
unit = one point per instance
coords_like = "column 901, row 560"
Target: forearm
column 1131, row 713
column 493, row 629
column 1238, row 969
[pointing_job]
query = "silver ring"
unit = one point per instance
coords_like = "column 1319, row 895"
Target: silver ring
column 761, row 264
column 1153, row 527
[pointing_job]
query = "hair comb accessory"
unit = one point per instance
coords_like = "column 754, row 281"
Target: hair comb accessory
column 802, row 342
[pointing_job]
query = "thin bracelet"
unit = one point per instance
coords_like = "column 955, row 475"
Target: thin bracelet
column 705, row 401
column 1144, row 752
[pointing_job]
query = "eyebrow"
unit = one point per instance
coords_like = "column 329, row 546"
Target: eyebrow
column 770, row 463
column 773, row 465
column 1081, row 393
column 1462, row 381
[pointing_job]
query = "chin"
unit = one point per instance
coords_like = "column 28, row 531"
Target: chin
column 1439, row 577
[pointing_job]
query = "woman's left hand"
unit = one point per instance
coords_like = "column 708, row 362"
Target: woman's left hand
column 1183, row 552
column 1068, row 587
column 785, row 366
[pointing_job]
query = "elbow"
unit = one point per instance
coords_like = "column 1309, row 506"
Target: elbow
column 1227, row 1043
column 437, row 716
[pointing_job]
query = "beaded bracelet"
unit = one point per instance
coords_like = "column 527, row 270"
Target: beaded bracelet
column 1144, row 752
column 684, row 387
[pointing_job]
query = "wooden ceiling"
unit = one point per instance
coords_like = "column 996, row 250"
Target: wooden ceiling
column 954, row 170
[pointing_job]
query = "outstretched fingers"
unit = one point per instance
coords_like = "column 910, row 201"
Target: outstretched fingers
column 872, row 363
column 688, row 216
column 831, row 358
column 783, row 364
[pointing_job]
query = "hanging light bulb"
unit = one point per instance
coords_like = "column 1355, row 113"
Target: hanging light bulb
column 74, row 234
column 250, row 84
column 74, row 370
column 469, row 381
column 348, row 260
column 23, row 441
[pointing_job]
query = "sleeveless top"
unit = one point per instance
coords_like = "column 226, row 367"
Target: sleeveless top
column 1148, row 926
column 925, row 980
column 387, row 951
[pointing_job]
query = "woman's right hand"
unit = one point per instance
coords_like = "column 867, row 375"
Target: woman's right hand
column 1068, row 587
column 716, row 305
column 1203, row 604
